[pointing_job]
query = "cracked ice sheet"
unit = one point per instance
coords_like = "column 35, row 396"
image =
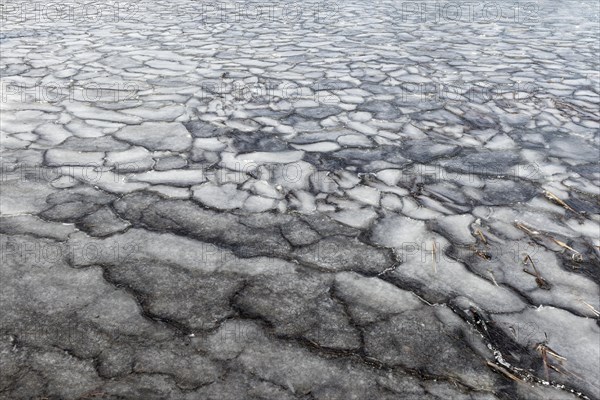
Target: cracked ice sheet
column 321, row 202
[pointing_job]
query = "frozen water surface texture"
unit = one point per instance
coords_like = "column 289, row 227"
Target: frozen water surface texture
column 324, row 200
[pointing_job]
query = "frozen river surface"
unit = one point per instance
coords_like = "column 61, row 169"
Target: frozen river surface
column 357, row 200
